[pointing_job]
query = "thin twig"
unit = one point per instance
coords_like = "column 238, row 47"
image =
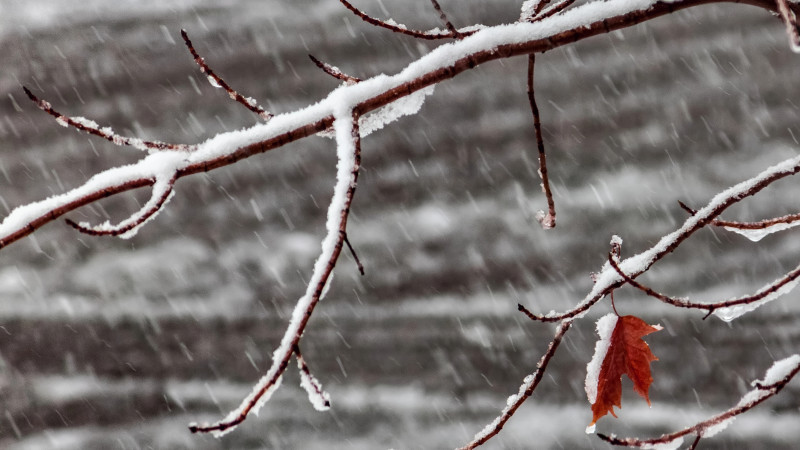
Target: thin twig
column 551, row 11
column 89, row 126
column 546, row 220
column 540, row 6
column 755, row 397
column 525, row 390
column 355, row 256
column 217, row 81
column 427, row 35
column 696, row 441
column 456, row 34
column 334, row 71
column 760, row 225
column 762, row 293
column 314, row 388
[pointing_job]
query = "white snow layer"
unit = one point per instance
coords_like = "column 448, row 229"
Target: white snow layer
column 780, row 370
column 757, row 235
column 320, row 399
column 605, row 328
column 733, row 312
column 671, row 445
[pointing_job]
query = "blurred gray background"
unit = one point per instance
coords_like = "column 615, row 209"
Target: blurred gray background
column 108, row 343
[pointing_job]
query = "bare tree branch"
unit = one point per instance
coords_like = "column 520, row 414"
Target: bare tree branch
column 391, row 25
column 355, row 256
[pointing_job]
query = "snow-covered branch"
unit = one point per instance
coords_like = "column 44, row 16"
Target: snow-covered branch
column 405, row 91
column 776, row 378
column 526, row 389
column 609, row 278
column 348, row 144
column 725, row 309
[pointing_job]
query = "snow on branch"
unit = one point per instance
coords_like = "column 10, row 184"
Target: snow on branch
column 162, row 193
column 445, row 62
column 776, row 378
column 24, row 220
column 316, row 395
column 526, row 389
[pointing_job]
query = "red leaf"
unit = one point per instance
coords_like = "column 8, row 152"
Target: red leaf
column 627, row 354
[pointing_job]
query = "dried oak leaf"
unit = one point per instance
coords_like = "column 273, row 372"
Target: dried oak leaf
column 620, row 351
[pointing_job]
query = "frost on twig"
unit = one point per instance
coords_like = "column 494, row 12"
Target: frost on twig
column 450, row 27
column 217, row 81
column 776, row 378
column 348, row 151
column 334, row 71
column 91, row 127
column 402, row 29
column 726, row 310
column 529, row 384
column 316, row 395
column 162, row 193
column 533, row 10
